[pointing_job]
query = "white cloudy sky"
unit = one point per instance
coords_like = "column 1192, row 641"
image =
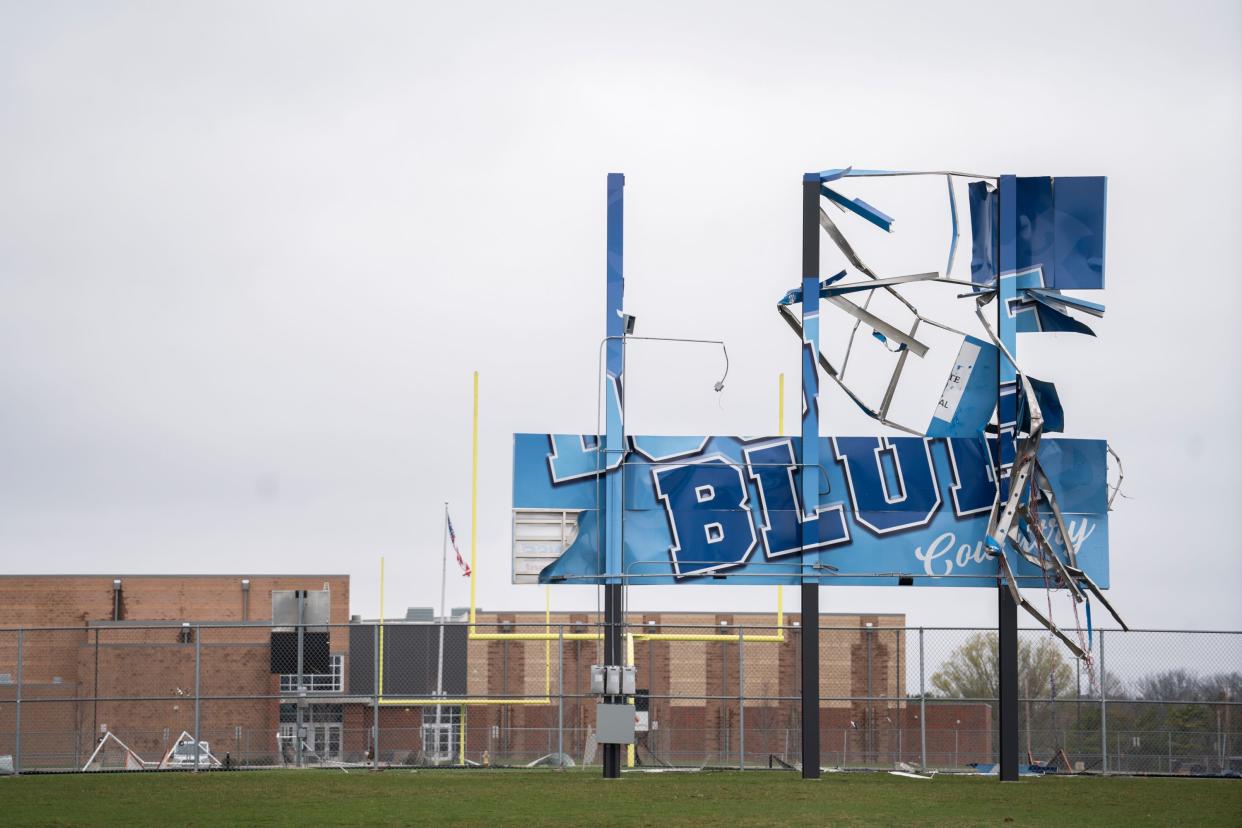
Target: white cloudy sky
column 250, row 254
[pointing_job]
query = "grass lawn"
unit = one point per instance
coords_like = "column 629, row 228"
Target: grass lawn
column 544, row 798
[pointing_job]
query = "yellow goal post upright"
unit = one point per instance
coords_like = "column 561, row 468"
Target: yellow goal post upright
column 475, row 635
column 547, row 636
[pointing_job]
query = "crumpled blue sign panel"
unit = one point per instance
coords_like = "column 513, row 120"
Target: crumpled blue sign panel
column 859, row 207
column 887, row 508
column 1035, row 241
column 1035, row 314
column 1080, row 204
column 1060, row 229
column 969, row 395
column 1049, row 406
column 983, row 206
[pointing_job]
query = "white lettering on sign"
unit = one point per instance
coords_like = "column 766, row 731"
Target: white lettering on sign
column 940, row 557
column 951, row 397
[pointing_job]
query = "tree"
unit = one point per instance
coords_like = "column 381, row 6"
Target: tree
column 1170, row 685
column 1196, row 733
column 1183, row 685
column 971, row 672
column 1223, row 687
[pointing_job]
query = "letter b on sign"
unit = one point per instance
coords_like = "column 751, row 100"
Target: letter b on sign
column 708, row 515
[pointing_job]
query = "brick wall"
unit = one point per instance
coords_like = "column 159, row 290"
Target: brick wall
column 77, row 600
column 145, row 683
column 85, row 604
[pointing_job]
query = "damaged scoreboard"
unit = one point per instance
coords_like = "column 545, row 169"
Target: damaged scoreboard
column 887, row 510
column 976, row 494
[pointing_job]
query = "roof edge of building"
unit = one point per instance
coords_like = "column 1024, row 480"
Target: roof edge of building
column 12, row 575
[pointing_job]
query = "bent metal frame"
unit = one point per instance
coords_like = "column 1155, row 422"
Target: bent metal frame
column 710, row 509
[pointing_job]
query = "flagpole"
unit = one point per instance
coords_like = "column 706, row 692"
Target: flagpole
column 440, row 656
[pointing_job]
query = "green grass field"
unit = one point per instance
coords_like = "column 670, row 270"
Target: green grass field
column 544, row 798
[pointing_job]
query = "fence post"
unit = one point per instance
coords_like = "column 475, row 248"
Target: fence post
column 741, row 699
column 1103, row 710
column 899, row 681
column 560, row 696
column 299, row 736
column 375, row 705
column 198, row 674
column 922, row 706
column 900, row 751
column 77, row 759
column 17, row 713
column 869, row 716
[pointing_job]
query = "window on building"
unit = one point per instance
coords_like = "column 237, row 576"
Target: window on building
column 323, row 731
column 330, row 682
column 313, row 714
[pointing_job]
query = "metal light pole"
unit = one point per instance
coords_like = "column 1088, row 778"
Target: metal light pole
column 443, row 617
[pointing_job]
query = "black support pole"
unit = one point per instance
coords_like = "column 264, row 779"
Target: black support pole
column 1006, row 418
column 612, row 655
column 810, row 681
column 1007, row 626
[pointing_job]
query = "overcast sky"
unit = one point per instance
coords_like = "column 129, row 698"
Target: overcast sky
column 250, row 254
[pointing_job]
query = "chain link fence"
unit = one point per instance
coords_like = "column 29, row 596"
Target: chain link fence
column 130, row 696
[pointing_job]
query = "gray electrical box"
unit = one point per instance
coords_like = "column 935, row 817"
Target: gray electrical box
column 614, row 724
column 612, row 680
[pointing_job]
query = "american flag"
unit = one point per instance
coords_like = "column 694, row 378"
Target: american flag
column 465, row 567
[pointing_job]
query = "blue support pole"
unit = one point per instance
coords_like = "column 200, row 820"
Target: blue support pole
column 808, row 473
column 614, row 443
column 614, row 348
column 1007, row 415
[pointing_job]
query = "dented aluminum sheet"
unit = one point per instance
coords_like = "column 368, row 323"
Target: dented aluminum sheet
column 969, row 395
column 1053, row 242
